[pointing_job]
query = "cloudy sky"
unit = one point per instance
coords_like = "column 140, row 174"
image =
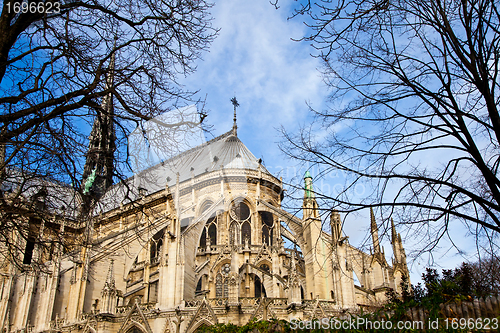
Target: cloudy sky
column 273, row 78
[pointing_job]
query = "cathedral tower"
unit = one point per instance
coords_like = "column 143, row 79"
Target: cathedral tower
column 98, row 169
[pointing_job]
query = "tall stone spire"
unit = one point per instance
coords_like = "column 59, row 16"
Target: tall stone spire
column 110, row 278
column 374, row 232
column 397, row 246
column 336, row 226
column 393, row 231
column 99, row 168
column 294, row 296
column 310, row 206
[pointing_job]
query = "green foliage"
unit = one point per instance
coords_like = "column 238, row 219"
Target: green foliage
column 454, row 285
column 263, row 326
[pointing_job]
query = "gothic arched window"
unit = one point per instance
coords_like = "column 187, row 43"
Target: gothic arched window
column 246, row 233
column 212, row 234
column 209, row 229
column 159, row 245
column 221, row 284
column 156, row 245
column 198, row 286
column 218, row 285
column 234, row 234
column 259, row 287
column 203, row 238
column 240, row 223
column 267, row 227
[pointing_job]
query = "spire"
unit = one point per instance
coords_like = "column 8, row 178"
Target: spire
column 374, row 232
column 310, row 206
column 397, row 247
column 308, row 190
column 99, row 168
column 393, row 232
column 235, row 105
column 293, row 283
column 336, row 226
column 110, row 278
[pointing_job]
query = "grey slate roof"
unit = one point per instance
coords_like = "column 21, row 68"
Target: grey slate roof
column 58, row 198
column 226, row 151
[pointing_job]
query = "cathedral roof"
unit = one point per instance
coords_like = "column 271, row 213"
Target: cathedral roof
column 226, row 152
column 223, row 152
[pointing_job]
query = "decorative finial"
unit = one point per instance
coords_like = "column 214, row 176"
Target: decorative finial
column 235, row 104
column 110, row 278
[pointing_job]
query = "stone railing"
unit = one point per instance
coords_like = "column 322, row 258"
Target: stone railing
column 217, row 302
column 279, row 302
column 244, row 301
column 249, row 301
column 328, row 305
column 192, row 303
column 146, row 307
column 57, row 323
column 308, row 302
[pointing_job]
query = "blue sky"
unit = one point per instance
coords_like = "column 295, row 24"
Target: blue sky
column 273, row 77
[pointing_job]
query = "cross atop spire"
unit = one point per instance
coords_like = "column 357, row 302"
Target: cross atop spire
column 235, row 105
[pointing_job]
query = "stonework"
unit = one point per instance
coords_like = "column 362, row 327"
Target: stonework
column 198, row 240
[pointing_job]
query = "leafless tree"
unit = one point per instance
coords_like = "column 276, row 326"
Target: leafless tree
column 413, row 115
column 485, row 275
column 56, row 60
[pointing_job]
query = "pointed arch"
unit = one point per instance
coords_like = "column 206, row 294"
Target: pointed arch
column 131, row 325
column 202, row 323
column 246, row 233
column 204, row 315
column 234, row 233
column 134, row 328
column 203, row 238
column 218, row 285
column 267, row 219
column 259, row 288
column 212, row 233
column 199, row 286
column 204, row 206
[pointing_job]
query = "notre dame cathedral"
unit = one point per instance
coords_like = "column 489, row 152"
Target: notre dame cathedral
column 196, row 240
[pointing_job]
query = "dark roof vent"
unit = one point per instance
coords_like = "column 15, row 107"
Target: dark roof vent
column 216, row 158
column 238, row 155
column 232, row 138
column 192, row 169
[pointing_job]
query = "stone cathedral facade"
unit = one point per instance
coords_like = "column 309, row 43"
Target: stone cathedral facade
column 196, row 240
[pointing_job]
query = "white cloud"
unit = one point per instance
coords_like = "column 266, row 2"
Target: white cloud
column 255, row 59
